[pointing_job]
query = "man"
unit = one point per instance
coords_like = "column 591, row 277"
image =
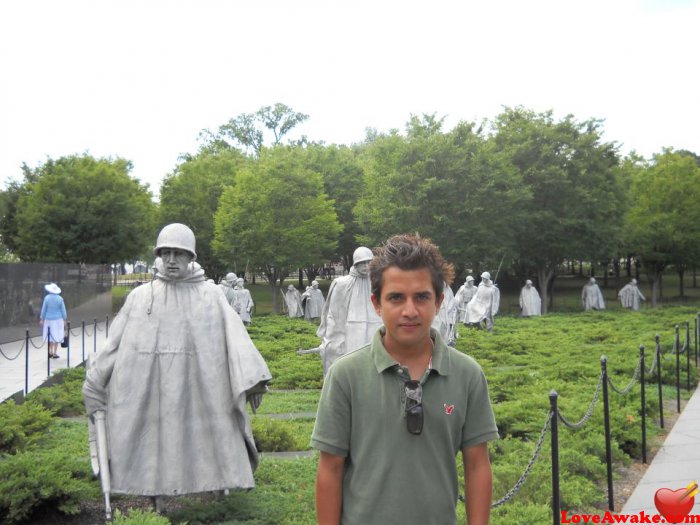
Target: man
column 348, row 320
column 530, row 301
column 173, row 379
column 591, row 296
column 394, row 414
column 630, row 295
column 463, row 296
column 483, row 307
column 292, row 298
column 243, row 301
column 228, row 286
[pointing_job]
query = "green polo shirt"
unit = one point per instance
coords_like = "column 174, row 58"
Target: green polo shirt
column 392, row 476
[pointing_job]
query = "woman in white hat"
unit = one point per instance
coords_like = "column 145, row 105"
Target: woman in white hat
column 53, row 318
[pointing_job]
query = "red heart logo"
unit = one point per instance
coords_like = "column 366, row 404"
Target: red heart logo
column 449, row 408
column 672, row 504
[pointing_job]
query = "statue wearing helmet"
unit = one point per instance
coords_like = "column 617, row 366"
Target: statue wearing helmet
column 463, row 296
column 172, row 382
column 228, row 286
column 348, row 319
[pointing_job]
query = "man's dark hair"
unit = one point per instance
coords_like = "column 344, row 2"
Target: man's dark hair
column 410, row 252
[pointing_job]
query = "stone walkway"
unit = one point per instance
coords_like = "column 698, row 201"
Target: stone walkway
column 675, row 466
column 19, row 369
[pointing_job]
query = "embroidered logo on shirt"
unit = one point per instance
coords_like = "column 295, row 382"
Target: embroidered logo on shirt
column 448, row 408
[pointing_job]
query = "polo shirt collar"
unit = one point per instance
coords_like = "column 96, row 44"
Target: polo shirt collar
column 383, row 361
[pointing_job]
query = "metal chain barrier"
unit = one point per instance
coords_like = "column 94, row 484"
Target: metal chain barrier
column 653, row 365
column 76, row 334
column 587, row 415
column 512, row 492
column 632, row 382
column 37, row 347
column 11, row 358
column 97, row 326
column 87, row 332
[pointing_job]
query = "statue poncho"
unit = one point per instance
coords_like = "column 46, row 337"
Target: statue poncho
column 445, row 319
column 242, row 302
column 349, row 320
column 292, row 298
column 462, row 298
column 530, row 301
column 172, row 379
column 630, row 296
column 592, row 297
column 484, row 305
column 314, row 303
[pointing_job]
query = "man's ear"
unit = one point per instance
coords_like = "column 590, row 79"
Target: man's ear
column 377, row 305
column 439, row 301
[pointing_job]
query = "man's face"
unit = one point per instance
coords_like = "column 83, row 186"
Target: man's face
column 362, row 268
column 408, row 306
column 175, row 262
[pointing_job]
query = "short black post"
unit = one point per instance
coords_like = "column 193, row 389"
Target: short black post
column 106, row 326
column 94, row 335
column 83, row 323
column 687, row 351
column 556, row 503
column 644, row 404
column 26, row 363
column 608, row 447
column 68, row 347
column 677, row 346
column 658, row 377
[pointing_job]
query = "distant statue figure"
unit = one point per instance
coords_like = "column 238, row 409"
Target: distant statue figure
column 444, row 321
column 243, row 301
column 348, row 320
column 463, row 296
column 591, row 296
column 228, row 286
column 304, row 299
column 483, row 307
column 292, row 299
column 630, row 295
column 313, row 307
column 166, row 395
column 530, row 302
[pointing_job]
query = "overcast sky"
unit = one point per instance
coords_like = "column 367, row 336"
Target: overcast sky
column 141, row 79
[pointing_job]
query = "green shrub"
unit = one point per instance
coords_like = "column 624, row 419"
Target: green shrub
column 139, row 517
column 21, row 423
column 63, row 399
column 53, row 472
column 277, row 435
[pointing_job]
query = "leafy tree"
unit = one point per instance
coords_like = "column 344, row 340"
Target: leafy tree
column 342, row 180
column 575, row 196
column 446, row 186
column 663, row 222
column 81, row 209
column 248, row 129
column 191, row 195
column 276, row 218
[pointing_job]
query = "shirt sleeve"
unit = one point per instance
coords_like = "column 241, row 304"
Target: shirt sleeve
column 480, row 423
column 42, row 315
column 331, row 432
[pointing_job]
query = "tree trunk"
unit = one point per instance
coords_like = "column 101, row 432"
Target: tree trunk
column 301, row 280
column 628, row 266
column 695, row 281
column 654, row 290
column 580, row 268
column 544, row 274
column 681, row 284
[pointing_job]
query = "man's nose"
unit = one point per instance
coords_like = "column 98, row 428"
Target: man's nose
column 170, row 256
column 409, row 308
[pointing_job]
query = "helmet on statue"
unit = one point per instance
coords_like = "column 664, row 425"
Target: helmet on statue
column 178, row 236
